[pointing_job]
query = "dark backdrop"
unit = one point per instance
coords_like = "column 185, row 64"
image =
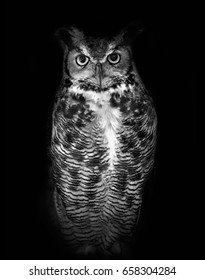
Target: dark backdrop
column 167, row 56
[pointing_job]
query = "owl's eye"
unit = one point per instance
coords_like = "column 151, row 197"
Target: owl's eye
column 113, row 58
column 82, row 60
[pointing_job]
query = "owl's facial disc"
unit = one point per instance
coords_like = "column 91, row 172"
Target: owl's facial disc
column 99, row 68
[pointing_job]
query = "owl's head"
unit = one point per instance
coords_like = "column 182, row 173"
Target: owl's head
column 95, row 62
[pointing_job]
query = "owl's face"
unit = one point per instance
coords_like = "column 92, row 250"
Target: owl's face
column 96, row 62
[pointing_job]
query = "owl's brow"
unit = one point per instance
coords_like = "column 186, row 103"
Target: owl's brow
column 117, row 46
column 82, row 49
column 78, row 49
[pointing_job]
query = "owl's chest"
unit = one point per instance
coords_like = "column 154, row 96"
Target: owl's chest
column 92, row 128
column 108, row 122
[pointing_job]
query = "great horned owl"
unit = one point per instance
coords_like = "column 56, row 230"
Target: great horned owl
column 103, row 143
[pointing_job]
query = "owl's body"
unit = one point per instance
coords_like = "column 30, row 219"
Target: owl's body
column 103, row 142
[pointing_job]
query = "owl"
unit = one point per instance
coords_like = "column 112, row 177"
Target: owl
column 102, row 145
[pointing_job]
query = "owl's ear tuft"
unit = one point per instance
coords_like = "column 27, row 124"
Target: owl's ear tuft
column 77, row 36
column 134, row 29
column 62, row 35
column 69, row 37
column 130, row 32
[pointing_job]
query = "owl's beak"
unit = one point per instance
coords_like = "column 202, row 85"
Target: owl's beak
column 99, row 74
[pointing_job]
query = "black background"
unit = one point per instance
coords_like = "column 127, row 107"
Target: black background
column 167, row 57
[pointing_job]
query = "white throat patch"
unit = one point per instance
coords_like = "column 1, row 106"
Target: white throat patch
column 109, row 119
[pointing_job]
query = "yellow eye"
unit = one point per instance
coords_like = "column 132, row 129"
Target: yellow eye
column 82, row 60
column 114, row 58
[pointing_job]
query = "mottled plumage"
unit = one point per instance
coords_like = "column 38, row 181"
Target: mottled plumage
column 103, row 142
